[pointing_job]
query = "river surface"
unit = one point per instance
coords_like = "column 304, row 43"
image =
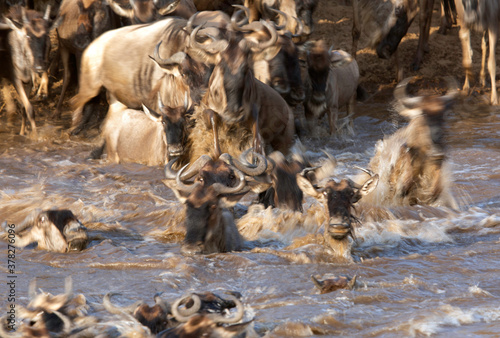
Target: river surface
column 421, row 271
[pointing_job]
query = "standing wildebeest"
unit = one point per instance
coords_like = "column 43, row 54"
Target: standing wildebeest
column 146, row 136
column 24, row 47
column 412, row 163
column 484, row 16
column 80, row 22
column 339, row 199
column 332, row 83
column 53, row 230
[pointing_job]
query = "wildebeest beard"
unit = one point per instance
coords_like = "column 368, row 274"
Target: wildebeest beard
column 196, row 223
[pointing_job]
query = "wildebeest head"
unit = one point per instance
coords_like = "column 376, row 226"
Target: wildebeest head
column 318, row 68
column 54, row 230
column 173, row 121
column 93, row 20
column 404, row 16
column 305, row 10
column 339, row 199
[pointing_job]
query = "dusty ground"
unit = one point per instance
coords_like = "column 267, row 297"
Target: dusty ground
column 333, row 23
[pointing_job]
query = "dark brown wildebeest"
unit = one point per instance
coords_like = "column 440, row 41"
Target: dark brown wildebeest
column 79, row 23
column 332, row 82
column 145, row 136
column 339, row 199
column 52, row 230
column 209, row 224
column 483, row 16
column 24, row 47
column 412, row 162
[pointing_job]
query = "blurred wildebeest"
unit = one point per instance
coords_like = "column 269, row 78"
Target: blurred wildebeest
column 483, row 16
column 145, row 11
column 448, row 15
column 155, row 317
column 412, row 162
column 339, row 199
column 24, row 48
column 217, row 5
column 79, row 23
column 300, row 9
column 332, row 82
column 209, row 224
column 147, row 137
column 52, row 230
column 386, row 23
column 205, row 324
column 46, row 315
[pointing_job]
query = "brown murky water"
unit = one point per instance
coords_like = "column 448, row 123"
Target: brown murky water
column 420, row 270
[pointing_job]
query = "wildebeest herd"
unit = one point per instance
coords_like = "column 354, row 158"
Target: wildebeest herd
column 216, row 97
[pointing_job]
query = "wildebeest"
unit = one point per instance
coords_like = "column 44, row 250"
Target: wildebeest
column 385, row 23
column 144, row 11
column 331, row 83
column 146, row 136
column 24, row 47
column 483, row 16
column 79, row 23
column 52, row 230
column 412, row 162
column 300, row 9
column 339, row 199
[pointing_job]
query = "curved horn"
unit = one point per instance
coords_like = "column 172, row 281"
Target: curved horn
column 235, row 318
column 187, row 313
column 127, row 13
column 300, row 30
column 272, row 40
column 157, row 58
column 283, row 14
column 161, row 303
column 237, row 25
column 189, row 24
column 171, row 174
column 403, row 98
column 111, row 308
column 244, row 165
column 168, row 8
column 181, row 185
column 224, row 189
column 452, row 92
column 215, row 47
column 46, row 16
column 368, row 171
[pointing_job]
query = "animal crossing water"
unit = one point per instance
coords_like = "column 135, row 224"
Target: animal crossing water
column 419, row 270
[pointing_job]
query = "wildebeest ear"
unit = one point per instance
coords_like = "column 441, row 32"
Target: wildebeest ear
column 366, row 188
column 182, row 197
column 340, row 58
column 306, row 186
column 154, row 116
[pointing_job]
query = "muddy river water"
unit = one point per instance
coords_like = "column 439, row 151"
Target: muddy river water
column 420, row 270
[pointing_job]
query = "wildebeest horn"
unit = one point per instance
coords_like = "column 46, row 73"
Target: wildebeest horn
column 214, row 47
column 403, row 98
column 168, row 8
column 235, row 25
column 127, row 13
column 237, row 316
column 157, row 58
column 184, row 315
column 181, row 185
column 368, row 171
column 244, row 165
column 171, row 174
column 452, row 92
column 111, row 308
column 224, row 189
column 266, row 44
column 283, row 14
column 161, row 303
column 46, row 16
column 300, row 30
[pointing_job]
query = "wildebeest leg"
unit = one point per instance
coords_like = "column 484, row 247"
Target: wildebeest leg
column 356, row 33
column 492, row 64
column 332, row 118
column 67, row 74
column 10, row 104
column 464, row 34
column 21, row 91
column 97, row 152
column 399, row 69
column 484, row 51
column 426, row 7
column 43, row 87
